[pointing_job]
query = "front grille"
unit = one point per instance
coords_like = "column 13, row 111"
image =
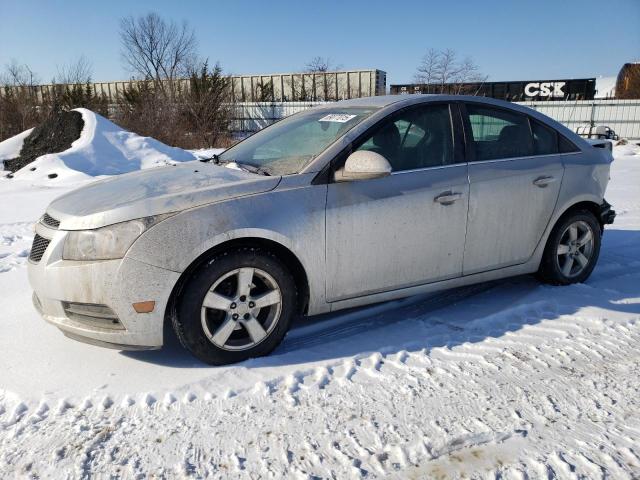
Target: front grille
column 49, row 221
column 38, row 248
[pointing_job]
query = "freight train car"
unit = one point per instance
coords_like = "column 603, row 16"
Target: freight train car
column 518, row 91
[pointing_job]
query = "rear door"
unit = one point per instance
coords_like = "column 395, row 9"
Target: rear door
column 515, row 173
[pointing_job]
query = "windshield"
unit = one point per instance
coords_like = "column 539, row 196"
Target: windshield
column 289, row 145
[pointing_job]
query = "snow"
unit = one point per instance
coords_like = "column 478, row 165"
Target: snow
column 102, row 149
column 206, row 153
column 509, row 379
column 606, row 87
column 10, row 148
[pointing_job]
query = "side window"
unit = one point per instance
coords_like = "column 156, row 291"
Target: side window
column 545, row 139
column 566, row 146
column 499, row 133
column 417, row 138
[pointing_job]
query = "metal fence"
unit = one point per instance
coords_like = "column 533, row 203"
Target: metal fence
column 623, row 116
column 253, row 116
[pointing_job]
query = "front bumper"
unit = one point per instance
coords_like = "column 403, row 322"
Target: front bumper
column 110, row 285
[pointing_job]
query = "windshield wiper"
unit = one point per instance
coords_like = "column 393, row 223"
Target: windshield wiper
column 216, row 160
column 253, row 169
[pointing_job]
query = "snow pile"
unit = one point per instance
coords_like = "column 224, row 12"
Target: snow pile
column 626, row 150
column 206, row 153
column 102, row 149
column 10, row 148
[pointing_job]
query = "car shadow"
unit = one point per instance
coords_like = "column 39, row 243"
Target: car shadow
column 445, row 319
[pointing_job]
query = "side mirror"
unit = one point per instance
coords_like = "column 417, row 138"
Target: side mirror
column 363, row 165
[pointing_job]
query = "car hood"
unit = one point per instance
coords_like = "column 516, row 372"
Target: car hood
column 152, row 192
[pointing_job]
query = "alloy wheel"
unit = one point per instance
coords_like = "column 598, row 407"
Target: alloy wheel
column 575, row 248
column 241, row 309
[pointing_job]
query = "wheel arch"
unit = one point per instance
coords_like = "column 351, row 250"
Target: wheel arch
column 284, row 254
column 589, row 205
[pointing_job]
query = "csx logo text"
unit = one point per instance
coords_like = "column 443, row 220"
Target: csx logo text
column 544, row 89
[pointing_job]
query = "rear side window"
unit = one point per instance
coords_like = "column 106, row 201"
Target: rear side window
column 567, row 146
column 499, row 133
column 545, row 139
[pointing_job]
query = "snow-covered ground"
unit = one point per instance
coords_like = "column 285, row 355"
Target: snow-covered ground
column 510, row 379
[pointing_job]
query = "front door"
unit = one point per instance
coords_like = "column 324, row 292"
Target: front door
column 515, row 173
column 405, row 229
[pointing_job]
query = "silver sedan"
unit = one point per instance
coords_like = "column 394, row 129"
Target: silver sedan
column 348, row 204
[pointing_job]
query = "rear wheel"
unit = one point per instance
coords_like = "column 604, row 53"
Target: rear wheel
column 237, row 306
column 572, row 249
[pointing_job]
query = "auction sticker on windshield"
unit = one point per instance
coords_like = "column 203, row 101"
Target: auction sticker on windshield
column 337, row 117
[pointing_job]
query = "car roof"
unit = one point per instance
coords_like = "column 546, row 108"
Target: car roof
column 396, row 102
column 382, row 101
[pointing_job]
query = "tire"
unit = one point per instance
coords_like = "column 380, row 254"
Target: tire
column 560, row 268
column 222, row 317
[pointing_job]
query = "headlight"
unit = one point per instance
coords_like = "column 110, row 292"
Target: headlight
column 106, row 243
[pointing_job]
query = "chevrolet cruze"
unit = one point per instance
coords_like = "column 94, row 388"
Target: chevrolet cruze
column 348, row 204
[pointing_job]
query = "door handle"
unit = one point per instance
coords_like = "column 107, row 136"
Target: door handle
column 543, row 181
column 447, row 198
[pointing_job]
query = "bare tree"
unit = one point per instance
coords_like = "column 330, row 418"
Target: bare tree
column 323, row 80
column 426, row 71
column 443, row 71
column 157, row 50
column 18, row 100
column 319, row 64
column 200, row 116
column 72, row 88
column 179, row 99
column 18, row 75
column 79, row 71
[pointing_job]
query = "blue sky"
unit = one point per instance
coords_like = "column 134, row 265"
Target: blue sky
column 509, row 40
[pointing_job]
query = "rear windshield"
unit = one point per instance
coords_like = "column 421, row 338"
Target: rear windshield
column 287, row 146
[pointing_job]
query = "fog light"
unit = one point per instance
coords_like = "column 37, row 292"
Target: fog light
column 93, row 315
column 144, row 307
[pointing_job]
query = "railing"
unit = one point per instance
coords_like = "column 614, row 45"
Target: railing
column 622, row 116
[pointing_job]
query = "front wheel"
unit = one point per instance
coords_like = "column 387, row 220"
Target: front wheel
column 239, row 305
column 572, row 249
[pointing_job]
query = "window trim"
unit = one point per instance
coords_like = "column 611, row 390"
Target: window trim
column 496, row 160
column 437, row 167
column 470, row 152
column 326, row 175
